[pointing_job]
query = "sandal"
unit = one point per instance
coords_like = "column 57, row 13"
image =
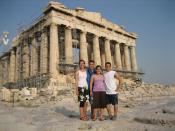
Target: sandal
column 101, row 119
column 83, row 118
column 86, row 117
column 94, row 118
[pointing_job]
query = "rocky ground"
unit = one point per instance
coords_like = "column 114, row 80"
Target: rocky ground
column 137, row 112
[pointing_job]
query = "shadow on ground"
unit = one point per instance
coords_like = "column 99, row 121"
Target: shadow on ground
column 66, row 112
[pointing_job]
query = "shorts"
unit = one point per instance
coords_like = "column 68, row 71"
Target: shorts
column 112, row 99
column 99, row 99
column 83, row 95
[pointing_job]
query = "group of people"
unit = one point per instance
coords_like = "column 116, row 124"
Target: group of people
column 99, row 88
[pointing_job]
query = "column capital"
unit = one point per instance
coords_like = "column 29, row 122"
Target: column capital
column 68, row 27
column 53, row 24
column 83, row 32
column 12, row 51
column 107, row 39
column 95, row 36
column 116, row 42
column 131, row 46
column 126, row 45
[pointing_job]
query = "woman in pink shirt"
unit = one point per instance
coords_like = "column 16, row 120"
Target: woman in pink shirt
column 97, row 90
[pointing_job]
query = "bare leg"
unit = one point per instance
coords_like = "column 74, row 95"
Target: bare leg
column 81, row 112
column 94, row 114
column 85, row 108
column 115, row 109
column 109, row 110
column 101, row 114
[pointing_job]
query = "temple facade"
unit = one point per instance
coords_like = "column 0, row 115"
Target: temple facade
column 51, row 47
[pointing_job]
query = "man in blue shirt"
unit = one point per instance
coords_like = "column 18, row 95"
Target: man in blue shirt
column 90, row 71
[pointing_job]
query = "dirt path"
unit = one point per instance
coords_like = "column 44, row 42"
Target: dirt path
column 63, row 115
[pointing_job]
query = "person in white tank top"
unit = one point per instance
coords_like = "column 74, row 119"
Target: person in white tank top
column 82, row 90
column 82, row 75
column 112, row 88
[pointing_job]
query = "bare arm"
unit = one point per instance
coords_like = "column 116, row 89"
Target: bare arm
column 119, row 79
column 91, row 83
column 76, row 81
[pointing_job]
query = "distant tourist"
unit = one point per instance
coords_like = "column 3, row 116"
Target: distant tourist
column 82, row 90
column 111, row 90
column 90, row 71
column 97, row 90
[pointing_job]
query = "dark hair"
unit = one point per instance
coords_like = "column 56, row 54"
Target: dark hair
column 81, row 61
column 108, row 63
column 91, row 61
column 98, row 66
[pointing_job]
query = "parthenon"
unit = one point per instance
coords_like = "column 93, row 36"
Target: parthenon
column 51, row 47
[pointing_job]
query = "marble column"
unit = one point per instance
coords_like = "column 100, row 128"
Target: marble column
column 96, row 50
column 12, row 66
column 127, row 58
column 103, row 57
column 108, row 51
column 34, row 66
column 68, row 45
column 54, row 52
column 32, row 57
column 118, row 56
column 26, row 60
column 1, row 72
column 133, row 59
column 17, row 64
column 44, row 53
column 83, row 47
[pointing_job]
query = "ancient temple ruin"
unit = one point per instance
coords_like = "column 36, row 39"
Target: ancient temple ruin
column 49, row 49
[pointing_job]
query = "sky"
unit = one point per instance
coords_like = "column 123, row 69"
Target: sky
column 152, row 20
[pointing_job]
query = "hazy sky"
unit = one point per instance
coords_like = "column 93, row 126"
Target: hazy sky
column 152, row 20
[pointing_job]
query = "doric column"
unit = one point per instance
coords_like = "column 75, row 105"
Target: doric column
column 118, row 56
column 26, row 60
column 34, row 66
column 83, row 47
column 0, row 71
column 32, row 57
column 133, row 59
column 68, row 45
column 103, row 58
column 54, row 52
column 12, row 66
column 96, row 50
column 108, row 51
column 44, row 53
column 127, row 62
column 17, row 64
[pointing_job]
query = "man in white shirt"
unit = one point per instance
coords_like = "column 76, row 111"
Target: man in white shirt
column 111, row 78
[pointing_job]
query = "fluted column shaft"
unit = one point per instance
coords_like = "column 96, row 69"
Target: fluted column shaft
column 118, row 56
column 54, row 52
column 26, row 60
column 96, row 50
column 34, row 66
column 108, row 51
column 127, row 62
column 133, row 59
column 17, row 64
column 83, row 47
column 44, row 53
column 12, row 66
column 68, row 45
